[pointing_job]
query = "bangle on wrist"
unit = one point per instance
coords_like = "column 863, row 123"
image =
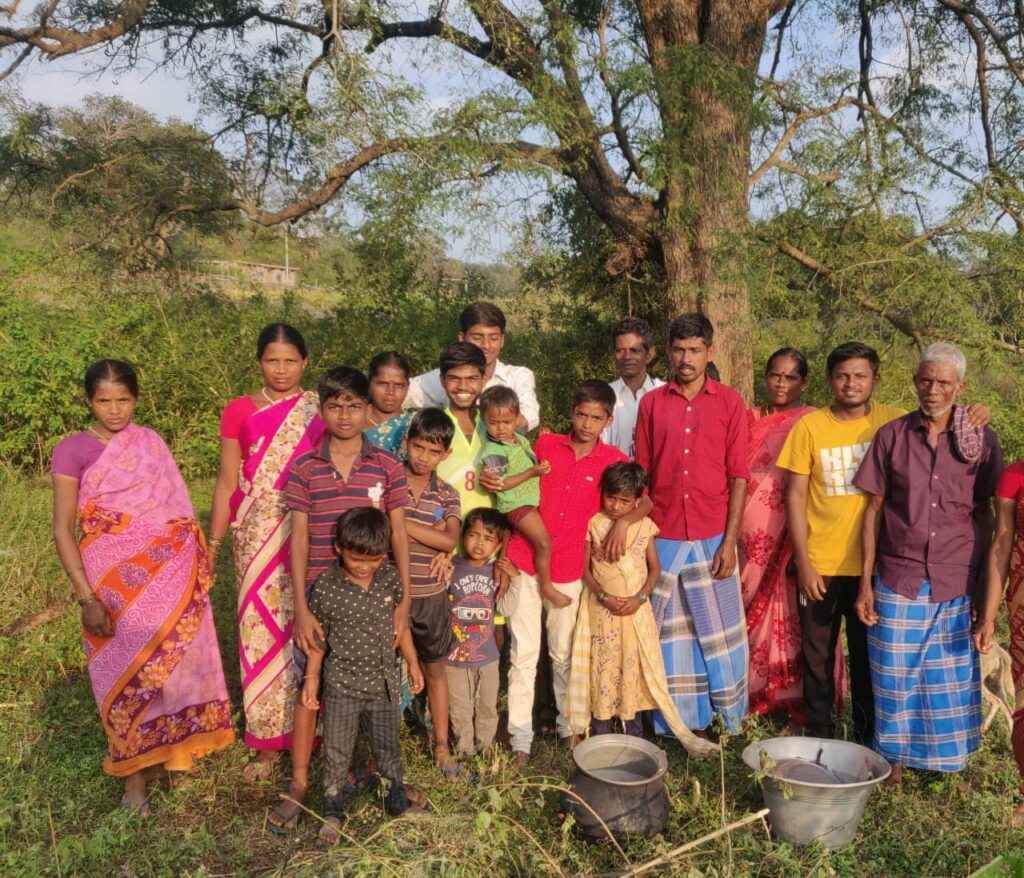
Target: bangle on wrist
column 602, row 596
column 87, row 600
column 642, row 596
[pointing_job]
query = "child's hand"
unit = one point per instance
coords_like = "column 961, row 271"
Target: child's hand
column 542, row 468
column 309, row 699
column 415, row 678
column 627, row 606
column 490, row 482
column 441, row 567
column 554, row 597
column 308, row 633
column 504, row 572
column 614, row 544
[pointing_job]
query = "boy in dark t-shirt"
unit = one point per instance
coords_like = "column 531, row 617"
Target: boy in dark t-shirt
column 473, row 664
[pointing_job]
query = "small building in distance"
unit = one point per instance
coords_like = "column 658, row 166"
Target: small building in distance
column 257, row 273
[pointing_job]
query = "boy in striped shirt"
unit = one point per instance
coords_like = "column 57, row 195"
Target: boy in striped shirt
column 432, row 516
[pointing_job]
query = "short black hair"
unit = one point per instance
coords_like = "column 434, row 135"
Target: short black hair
column 482, row 314
column 624, row 478
column 114, row 371
column 500, row 398
column 634, row 326
column 852, row 350
column 793, row 354
column 343, row 381
column 280, row 333
column 389, row 358
column 491, row 519
column 593, row 390
column 433, row 425
column 461, row 353
column 363, row 530
column 692, row 325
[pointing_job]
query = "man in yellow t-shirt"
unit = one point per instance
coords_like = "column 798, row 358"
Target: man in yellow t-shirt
column 824, row 510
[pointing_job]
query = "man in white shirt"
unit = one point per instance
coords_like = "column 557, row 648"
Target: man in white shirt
column 633, row 351
column 483, row 325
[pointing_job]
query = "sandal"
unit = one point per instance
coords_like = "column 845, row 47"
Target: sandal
column 458, row 773
column 287, row 812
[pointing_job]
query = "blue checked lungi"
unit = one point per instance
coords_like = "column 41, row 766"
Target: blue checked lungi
column 703, row 635
column 927, row 680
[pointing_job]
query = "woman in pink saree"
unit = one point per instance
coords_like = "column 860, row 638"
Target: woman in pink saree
column 765, row 550
column 261, row 435
column 140, row 573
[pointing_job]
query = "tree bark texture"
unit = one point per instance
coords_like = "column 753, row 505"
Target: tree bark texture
column 705, row 57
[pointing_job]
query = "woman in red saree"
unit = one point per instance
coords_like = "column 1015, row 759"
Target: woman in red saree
column 765, row 550
column 261, row 435
column 1006, row 559
column 141, row 575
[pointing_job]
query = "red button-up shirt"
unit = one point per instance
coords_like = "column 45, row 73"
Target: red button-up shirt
column 570, row 495
column 690, row 450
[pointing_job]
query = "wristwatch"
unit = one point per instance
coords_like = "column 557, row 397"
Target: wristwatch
column 602, row 596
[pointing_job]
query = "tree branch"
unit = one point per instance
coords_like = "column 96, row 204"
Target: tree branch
column 802, row 118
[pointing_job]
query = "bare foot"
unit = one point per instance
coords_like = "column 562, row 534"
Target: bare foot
column 895, row 776
column 135, row 799
column 285, row 817
column 330, row 832
column 521, row 760
column 261, row 766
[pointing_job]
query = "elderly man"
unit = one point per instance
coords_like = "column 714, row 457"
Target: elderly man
column 931, row 479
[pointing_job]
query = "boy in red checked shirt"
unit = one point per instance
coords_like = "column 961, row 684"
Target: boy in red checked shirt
column 570, row 495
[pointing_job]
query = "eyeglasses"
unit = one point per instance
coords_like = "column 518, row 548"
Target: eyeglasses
column 472, row 614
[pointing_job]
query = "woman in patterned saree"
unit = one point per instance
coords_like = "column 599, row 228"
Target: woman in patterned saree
column 261, row 434
column 389, row 374
column 140, row 573
column 765, row 551
column 1006, row 557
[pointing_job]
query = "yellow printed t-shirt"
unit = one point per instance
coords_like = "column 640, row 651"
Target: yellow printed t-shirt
column 461, row 468
column 829, row 451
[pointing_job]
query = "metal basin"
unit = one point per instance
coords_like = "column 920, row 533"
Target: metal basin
column 620, row 777
column 829, row 781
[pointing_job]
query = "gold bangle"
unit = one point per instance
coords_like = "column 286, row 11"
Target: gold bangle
column 83, row 601
column 214, row 541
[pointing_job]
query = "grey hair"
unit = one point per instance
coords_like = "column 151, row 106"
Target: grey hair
column 945, row 353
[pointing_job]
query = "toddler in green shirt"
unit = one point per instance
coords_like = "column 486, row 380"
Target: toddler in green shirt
column 508, row 459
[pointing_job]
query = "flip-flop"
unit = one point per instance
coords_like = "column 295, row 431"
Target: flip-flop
column 455, row 773
column 289, row 821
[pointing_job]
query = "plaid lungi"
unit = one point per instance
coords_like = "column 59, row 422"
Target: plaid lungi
column 927, row 680
column 703, row 635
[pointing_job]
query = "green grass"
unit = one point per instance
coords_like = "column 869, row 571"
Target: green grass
column 59, row 815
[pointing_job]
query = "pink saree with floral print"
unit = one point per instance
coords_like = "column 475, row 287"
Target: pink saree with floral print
column 768, row 583
column 271, row 439
column 158, row 681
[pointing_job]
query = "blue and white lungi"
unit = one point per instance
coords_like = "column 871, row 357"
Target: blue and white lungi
column 703, row 635
column 927, row 680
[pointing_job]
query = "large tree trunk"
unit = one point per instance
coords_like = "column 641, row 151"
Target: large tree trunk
column 705, row 59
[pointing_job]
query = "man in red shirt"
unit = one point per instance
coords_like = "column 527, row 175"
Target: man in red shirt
column 570, row 496
column 691, row 437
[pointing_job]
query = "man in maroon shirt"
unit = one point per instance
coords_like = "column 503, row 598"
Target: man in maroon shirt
column 691, row 437
column 930, row 479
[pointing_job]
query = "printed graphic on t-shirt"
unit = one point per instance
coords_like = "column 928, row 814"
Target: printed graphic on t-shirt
column 473, row 618
column 839, row 466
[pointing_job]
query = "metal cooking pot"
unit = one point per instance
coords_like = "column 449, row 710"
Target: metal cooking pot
column 620, row 777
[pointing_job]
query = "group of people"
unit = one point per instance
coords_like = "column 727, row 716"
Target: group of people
column 687, row 560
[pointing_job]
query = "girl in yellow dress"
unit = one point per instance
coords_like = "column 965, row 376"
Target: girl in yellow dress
column 617, row 668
